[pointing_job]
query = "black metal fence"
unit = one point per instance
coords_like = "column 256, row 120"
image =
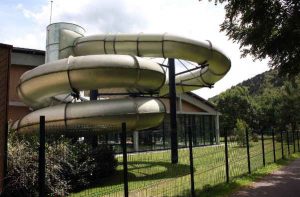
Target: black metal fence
column 71, row 165
column 204, row 133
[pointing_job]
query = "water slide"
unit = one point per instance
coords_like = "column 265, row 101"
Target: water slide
column 75, row 62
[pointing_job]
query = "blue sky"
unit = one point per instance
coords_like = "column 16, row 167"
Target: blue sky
column 24, row 22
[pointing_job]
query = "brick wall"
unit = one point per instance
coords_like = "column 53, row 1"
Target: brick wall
column 16, row 109
column 16, row 72
column 5, row 51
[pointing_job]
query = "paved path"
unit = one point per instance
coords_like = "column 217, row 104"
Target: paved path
column 282, row 183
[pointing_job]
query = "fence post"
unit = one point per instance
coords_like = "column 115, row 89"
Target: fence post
column 248, row 151
column 281, row 140
column 226, row 156
column 263, row 147
column 294, row 145
column 42, row 159
column 191, row 162
column 288, row 142
column 274, row 148
column 298, row 140
column 185, row 122
column 164, row 135
column 125, row 165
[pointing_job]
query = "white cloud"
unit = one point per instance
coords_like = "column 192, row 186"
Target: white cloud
column 29, row 41
column 94, row 15
column 194, row 19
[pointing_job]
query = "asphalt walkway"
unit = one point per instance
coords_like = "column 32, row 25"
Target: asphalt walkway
column 282, row 183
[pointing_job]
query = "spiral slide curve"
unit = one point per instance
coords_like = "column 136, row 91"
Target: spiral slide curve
column 75, row 62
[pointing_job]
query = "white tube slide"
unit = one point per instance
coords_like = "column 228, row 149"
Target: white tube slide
column 75, row 63
column 157, row 45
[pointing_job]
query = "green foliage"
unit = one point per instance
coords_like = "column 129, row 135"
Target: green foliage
column 265, row 28
column 70, row 166
column 255, row 137
column 278, row 137
column 87, row 165
column 23, row 167
column 207, row 188
column 264, row 101
column 290, row 104
column 234, row 104
column 240, row 132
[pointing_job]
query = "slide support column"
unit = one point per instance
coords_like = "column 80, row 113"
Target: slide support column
column 93, row 97
column 172, row 95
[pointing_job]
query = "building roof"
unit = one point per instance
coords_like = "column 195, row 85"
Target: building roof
column 27, row 57
column 28, row 51
column 5, row 45
column 202, row 99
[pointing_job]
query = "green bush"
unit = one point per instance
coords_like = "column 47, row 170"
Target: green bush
column 88, row 165
column 207, row 188
column 70, row 165
column 240, row 131
column 23, row 158
column 278, row 137
column 103, row 162
column 255, row 137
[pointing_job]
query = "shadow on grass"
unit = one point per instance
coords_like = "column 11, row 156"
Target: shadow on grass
column 144, row 171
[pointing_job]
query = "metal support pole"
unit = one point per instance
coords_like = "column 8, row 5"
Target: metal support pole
column 185, row 131
column 42, row 159
column 136, row 141
column 281, row 140
column 217, row 128
column 172, row 94
column 210, row 131
column 193, row 124
column 288, row 142
column 152, row 140
column 226, row 157
column 125, row 164
column 191, row 162
column 93, row 97
column 248, row 151
column 274, row 148
column 263, row 147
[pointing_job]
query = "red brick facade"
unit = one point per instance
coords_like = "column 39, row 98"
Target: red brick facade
column 5, row 51
column 16, row 108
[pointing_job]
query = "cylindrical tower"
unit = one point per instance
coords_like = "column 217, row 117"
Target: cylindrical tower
column 55, row 38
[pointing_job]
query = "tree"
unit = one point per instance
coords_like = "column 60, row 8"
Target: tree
column 235, row 104
column 268, row 105
column 266, row 28
column 240, row 132
column 290, row 107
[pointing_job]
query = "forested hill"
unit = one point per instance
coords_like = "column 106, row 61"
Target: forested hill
column 262, row 101
column 257, row 85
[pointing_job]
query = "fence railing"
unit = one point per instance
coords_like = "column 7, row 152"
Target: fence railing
column 69, row 165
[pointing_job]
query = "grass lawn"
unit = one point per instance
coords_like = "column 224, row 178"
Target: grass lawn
column 246, row 180
column 152, row 174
